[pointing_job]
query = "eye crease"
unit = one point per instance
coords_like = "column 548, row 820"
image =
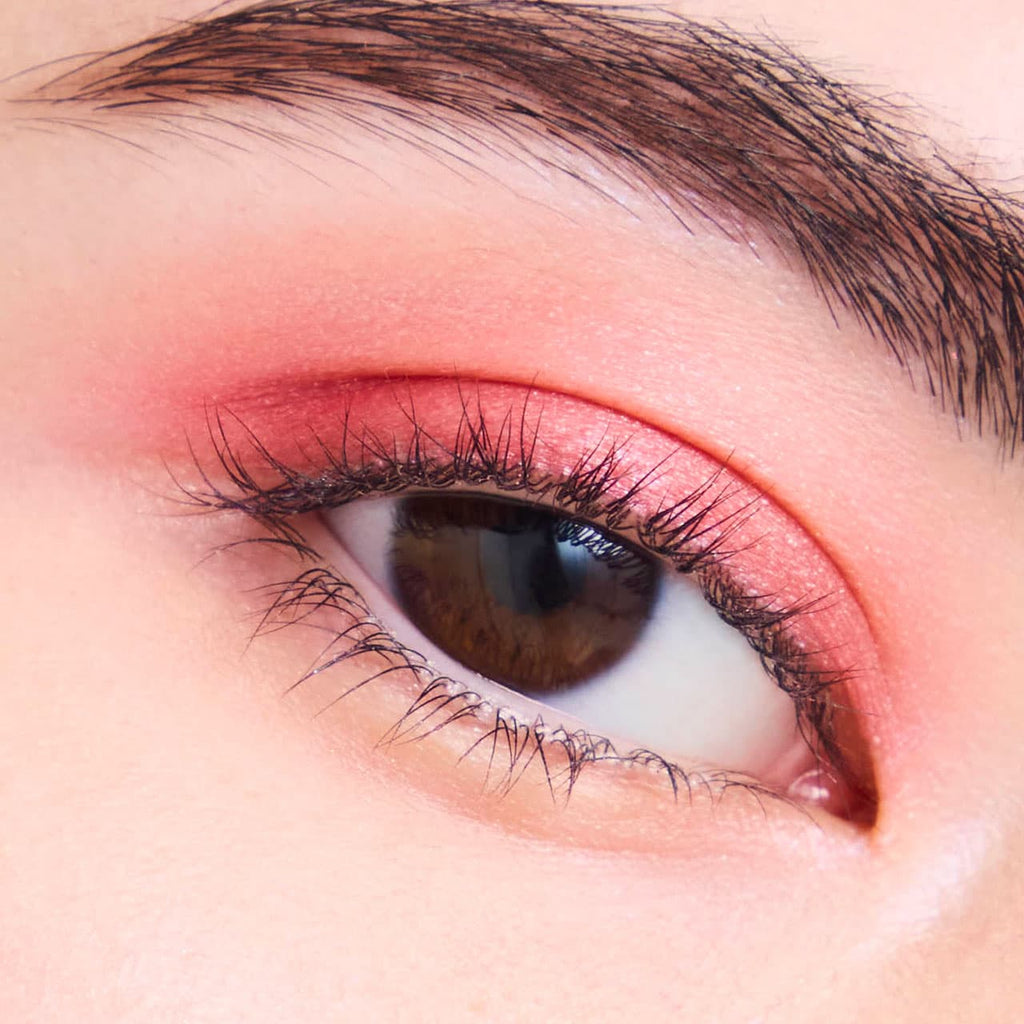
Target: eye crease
column 512, row 581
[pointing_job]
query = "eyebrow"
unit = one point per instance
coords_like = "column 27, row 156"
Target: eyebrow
column 701, row 118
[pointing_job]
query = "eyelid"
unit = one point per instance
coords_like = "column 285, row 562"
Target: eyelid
column 305, row 424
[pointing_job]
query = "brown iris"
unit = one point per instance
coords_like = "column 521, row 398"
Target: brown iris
column 524, row 596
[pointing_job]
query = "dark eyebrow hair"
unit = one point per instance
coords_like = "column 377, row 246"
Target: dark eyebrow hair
column 701, row 118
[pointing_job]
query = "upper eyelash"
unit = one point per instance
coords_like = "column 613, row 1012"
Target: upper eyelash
column 477, row 457
column 692, row 535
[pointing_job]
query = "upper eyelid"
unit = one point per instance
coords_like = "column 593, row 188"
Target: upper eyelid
column 929, row 260
column 648, row 486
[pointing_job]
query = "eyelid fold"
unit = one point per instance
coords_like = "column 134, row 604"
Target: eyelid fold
column 374, row 436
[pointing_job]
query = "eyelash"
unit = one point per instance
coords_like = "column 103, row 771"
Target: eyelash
column 690, row 536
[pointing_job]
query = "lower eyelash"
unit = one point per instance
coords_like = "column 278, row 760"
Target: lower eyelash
column 440, row 701
column 691, row 536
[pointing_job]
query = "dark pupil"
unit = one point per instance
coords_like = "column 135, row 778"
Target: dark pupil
column 525, row 597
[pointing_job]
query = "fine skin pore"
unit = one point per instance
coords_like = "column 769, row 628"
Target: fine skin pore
column 184, row 842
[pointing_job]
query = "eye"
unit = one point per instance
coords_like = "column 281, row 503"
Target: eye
column 574, row 617
column 584, row 589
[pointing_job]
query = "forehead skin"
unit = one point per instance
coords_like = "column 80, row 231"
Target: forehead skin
column 257, row 881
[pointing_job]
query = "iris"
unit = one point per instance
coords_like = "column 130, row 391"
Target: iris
column 523, row 595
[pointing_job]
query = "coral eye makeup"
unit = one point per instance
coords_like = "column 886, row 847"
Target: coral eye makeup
column 556, row 580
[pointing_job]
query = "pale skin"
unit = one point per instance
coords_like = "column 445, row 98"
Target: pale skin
column 182, row 843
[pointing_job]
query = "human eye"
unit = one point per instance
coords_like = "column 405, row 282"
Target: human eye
column 251, row 762
column 563, row 588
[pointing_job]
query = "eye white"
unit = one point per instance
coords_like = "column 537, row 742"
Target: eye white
column 690, row 689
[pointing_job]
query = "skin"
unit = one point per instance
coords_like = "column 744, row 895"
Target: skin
column 181, row 843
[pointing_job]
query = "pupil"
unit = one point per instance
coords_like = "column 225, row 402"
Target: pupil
column 526, row 597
